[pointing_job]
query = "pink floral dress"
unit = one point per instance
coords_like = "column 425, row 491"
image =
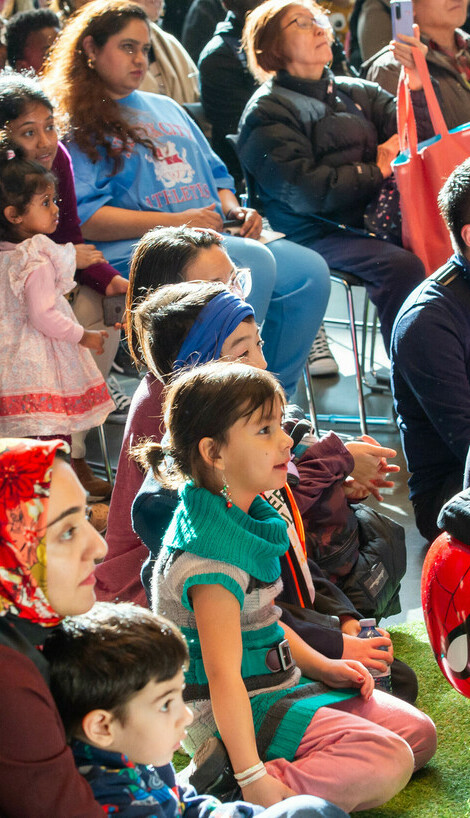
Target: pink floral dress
column 49, row 384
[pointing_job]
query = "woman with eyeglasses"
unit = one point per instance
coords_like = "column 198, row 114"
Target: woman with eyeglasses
column 141, row 162
column 163, row 256
column 319, row 148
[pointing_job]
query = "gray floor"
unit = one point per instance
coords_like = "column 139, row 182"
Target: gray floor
column 337, row 396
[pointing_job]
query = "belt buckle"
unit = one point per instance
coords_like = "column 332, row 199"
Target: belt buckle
column 285, row 655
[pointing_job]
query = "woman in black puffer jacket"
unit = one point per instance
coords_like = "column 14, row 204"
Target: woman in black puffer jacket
column 318, row 147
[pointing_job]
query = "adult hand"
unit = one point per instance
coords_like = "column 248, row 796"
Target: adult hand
column 367, row 651
column 346, row 673
column 266, row 791
column 202, row 217
column 94, row 339
column 386, row 153
column 87, row 254
column 117, row 286
column 251, row 221
column 402, row 51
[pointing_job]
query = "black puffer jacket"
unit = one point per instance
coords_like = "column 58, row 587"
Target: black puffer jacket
column 311, row 146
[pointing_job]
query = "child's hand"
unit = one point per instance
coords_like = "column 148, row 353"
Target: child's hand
column 354, row 491
column 94, row 339
column 346, row 673
column 266, row 791
column 87, row 254
column 370, row 464
column 367, row 651
column 117, row 286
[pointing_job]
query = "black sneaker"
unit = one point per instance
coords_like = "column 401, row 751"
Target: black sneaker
column 123, row 363
column 121, row 400
column 210, row 772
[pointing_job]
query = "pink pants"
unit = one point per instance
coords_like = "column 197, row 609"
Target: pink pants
column 359, row 754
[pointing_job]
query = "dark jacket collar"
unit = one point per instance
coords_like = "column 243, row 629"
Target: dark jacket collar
column 230, row 25
column 323, row 89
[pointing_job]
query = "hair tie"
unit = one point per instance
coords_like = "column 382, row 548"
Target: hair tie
column 215, row 322
column 10, row 154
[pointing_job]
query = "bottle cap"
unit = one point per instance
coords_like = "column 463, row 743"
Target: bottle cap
column 368, row 623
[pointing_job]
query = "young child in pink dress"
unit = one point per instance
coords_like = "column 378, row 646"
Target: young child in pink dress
column 49, row 383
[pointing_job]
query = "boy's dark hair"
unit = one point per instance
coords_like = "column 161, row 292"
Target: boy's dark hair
column 454, row 203
column 20, row 26
column 164, row 319
column 17, row 93
column 162, row 257
column 205, row 401
column 101, row 659
column 20, row 179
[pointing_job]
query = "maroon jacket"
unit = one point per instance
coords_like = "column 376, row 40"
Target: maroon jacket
column 37, row 770
column 96, row 276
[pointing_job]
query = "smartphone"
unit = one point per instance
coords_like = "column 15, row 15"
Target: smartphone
column 402, row 18
column 232, row 226
column 113, row 309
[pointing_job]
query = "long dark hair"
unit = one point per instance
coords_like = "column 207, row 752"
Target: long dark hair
column 205, row 402
column 162, row 256
column 17, row 93
column 84, row 108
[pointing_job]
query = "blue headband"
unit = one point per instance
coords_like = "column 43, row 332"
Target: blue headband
column 216, row 321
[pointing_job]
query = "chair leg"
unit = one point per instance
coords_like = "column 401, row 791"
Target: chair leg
column 311, row 400
column 105, row 454
column 357, row 365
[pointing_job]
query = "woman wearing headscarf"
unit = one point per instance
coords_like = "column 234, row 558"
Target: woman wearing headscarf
column 48, row 550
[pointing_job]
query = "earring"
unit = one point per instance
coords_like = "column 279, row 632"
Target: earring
column 90, row 63
column 225, row 492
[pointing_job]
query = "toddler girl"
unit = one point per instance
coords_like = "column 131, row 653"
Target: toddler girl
column 49, row 383
column 250, row 679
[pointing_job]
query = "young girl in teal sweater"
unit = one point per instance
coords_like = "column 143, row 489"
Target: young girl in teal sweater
column 292, row 720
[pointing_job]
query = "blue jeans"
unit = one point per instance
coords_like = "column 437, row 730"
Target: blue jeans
column 304, row 806
column 291, row 287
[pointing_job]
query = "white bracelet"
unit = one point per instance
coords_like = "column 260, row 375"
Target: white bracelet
column 253, row 778
column 251, row 774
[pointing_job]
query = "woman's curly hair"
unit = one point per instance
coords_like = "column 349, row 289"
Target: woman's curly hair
column 84, row 110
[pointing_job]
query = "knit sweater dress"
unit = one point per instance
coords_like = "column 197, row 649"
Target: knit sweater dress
column 208, row 543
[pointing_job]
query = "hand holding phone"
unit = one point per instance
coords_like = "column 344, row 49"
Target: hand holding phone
column 402, row 18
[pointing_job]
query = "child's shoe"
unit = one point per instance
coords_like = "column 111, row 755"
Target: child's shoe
column 97, row 488
column 210, row 772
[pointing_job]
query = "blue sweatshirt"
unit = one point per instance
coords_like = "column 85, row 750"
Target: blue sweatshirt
column 133, row 790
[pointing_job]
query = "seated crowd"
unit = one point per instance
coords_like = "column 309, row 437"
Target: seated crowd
column 134, row 235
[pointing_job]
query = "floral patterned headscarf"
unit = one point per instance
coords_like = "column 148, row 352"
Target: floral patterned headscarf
column 25, row 478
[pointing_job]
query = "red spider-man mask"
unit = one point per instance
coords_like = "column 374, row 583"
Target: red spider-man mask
column 445, row 593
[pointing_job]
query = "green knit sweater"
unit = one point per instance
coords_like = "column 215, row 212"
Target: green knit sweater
column 241, row 552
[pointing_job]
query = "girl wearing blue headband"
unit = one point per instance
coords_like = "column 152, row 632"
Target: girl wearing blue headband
column 197, row 315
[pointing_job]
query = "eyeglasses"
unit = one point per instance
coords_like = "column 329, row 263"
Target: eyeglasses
column 239, row 282
column 305, row 22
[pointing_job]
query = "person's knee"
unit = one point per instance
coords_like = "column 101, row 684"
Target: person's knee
column 395, row 768
column 423, row 740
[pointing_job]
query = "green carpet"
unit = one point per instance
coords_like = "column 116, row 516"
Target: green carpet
column 442, row 789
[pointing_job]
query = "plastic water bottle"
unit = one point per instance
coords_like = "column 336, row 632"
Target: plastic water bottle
column 382, row 679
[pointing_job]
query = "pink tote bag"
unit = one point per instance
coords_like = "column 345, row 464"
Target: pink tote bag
column 421, row 170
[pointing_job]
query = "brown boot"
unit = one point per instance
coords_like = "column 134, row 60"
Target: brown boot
column 97, row 488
